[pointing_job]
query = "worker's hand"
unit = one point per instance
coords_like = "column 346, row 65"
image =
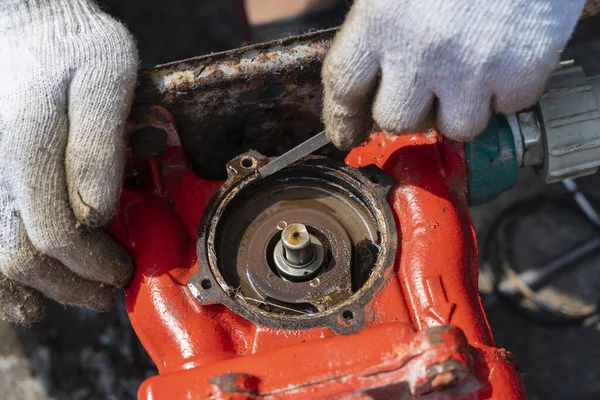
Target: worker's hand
column 410, row 64
column 67, row 75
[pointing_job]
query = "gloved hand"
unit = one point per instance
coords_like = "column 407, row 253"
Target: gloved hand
column 67, row 75
column 407, row 64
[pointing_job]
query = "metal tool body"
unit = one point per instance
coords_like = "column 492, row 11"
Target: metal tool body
column 343, row 332
column 407, row 325
column 302, row 150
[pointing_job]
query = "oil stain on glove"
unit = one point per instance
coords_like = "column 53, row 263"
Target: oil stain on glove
column 67, row 76
column 409, row 64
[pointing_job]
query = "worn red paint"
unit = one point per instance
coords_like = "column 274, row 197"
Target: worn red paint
column 210, row 352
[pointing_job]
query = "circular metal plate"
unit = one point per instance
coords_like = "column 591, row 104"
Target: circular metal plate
column 241, row 227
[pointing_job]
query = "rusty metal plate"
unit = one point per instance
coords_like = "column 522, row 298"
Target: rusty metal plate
column 265, row 97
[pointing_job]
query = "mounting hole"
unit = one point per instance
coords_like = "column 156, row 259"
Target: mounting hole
column 247, row 162
column 374, row 179
column 347, row 315
column 206, row 284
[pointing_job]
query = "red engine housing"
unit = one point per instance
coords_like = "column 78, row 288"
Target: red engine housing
column 426, row 335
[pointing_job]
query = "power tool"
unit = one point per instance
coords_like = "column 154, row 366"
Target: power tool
column 312, row 276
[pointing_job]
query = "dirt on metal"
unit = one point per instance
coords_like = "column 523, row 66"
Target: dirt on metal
column 340, row 206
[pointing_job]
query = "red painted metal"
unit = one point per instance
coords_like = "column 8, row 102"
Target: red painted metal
column 210, row 352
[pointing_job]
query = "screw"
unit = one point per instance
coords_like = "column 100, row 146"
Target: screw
column 281, row 225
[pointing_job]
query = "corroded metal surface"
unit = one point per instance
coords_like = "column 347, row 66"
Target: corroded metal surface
column 265, row 97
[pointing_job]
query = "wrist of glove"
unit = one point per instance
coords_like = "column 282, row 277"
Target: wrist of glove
column 410, row 64
column 67, row 76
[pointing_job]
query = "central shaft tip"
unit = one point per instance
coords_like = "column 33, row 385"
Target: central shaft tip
column 295, row 237
column 296, row 243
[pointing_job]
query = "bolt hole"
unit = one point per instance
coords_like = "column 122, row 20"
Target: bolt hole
column 247, row 162
column 296, row 235
column 206, row 284
column 348, row 315
column 375, row 179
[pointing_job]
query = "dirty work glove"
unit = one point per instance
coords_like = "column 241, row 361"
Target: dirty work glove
column 67, row 75
column 592, row 7
column 407, row 64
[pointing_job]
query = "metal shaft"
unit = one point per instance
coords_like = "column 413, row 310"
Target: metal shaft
column 297, row 245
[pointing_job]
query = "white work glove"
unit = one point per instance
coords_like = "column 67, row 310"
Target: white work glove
column 67, row 76
column 410, row 64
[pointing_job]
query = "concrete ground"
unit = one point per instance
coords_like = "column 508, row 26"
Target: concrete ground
column 78, row 354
